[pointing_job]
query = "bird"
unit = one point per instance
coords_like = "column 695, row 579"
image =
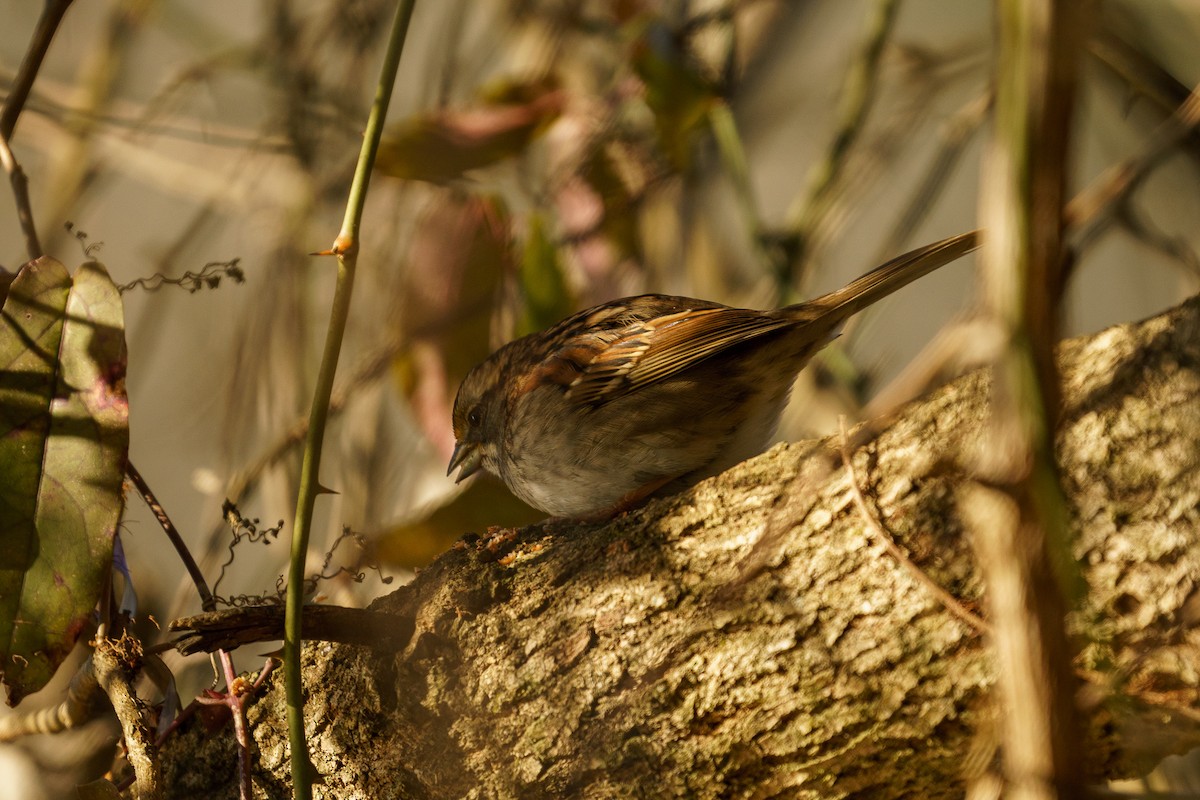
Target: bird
column 645, row 396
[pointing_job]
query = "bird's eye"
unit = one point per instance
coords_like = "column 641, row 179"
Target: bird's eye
column 473, row 417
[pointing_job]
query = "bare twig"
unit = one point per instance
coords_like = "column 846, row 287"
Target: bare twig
column 368, row 370
column 249, row 689
column 1089, row 210
column 1146, row 231
column 1020, row 521
column 1088, row 213
column 116, row 662
column 952, row 603
column 858, row 95
column 52, row 14
column 185, row 555
column 231, row 628
column 955, row 133
column 964, row 343
column 20, row 187
column 237, row 709
column 1140, row 73
column 98, row 75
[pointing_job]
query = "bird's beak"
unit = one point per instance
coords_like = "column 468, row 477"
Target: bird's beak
column 468, row 456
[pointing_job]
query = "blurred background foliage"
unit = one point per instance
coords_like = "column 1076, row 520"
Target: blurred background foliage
column 541, row 156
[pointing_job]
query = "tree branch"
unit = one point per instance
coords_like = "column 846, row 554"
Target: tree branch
column 747, row 638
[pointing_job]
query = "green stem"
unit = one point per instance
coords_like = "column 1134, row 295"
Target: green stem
column 346, row 249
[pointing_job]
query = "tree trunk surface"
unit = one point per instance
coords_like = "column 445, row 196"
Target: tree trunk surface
column 752, row 638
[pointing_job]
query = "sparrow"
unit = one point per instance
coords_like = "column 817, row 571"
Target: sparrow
column 647, row 395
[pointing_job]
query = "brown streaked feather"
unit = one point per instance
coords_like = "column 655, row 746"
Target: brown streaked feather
column 560, row 368
column 654, row 349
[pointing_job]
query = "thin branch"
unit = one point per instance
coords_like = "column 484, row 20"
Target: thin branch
column 858, row 96
column 1090, row 210
column 1140, row 73
column 967, row 342
column 955, row 134
column 20, row 187
column 952, row 603
column 185, row 555
column 1088, row 213
column 1147, row 232
column 724, row 129
column 43, row 35
column 97, row 76
column 231, row 628
column 237, row 709
column 253, row 688
column 116, row 661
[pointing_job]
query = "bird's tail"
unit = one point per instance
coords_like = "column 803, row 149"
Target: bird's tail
column 883, row 280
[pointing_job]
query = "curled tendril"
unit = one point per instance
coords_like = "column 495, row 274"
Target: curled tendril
column 245, row 529
column 207, row 278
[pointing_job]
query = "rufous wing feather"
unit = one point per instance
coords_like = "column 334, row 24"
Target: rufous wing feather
column 655, row 349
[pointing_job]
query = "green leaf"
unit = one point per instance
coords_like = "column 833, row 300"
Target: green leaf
column 543, row 285
column 64, row 440
column 6, row 279
column 676, row 93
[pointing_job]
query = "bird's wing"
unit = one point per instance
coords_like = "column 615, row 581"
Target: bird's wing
column 649, row 350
